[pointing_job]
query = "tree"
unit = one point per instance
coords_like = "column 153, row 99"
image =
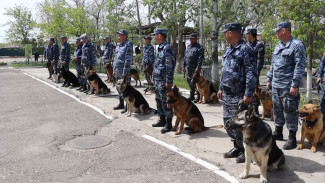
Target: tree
column 21, row 24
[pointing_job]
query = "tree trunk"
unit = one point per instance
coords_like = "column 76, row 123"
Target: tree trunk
column 201, row 24
column 214, row 39
column 181, row 48
column 309, row 74
column 139, row 24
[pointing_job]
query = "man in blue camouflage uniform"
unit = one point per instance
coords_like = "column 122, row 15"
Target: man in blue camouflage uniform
column 163, row 76
column 53, row 55
column 65, row 56
column 238, row 80
column 148, row 57
column 77, row 59
column 284, row 76
column 108, row 53
column 258, row 48
column 48, row 59
column 321, row 79
column 194, row 57
column 88, row 59
column 122, row 62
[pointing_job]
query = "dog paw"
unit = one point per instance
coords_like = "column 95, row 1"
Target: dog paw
column 313, row 149
column 263, row 180
column 243, row 175
column 299, row 147
column 178, row 133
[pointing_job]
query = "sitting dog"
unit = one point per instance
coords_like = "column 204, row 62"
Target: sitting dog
column 206, row 89
column 186, row 112
column 96, row 82
column 69, row 78
column 312, row 126
column 266, row 98
column 134, row 99
column 56, row 78
column 135, row 75
column 109, row 71
column 148, row 71
column 49, row 68
column 258, row 142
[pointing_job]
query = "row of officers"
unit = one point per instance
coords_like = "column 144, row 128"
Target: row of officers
column 241, row 66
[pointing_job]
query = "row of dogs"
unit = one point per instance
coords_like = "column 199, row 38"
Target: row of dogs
column 258, row 142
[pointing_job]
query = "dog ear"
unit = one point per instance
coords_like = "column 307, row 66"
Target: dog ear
column 316, row 107
column 310, row 102
column 175, row 89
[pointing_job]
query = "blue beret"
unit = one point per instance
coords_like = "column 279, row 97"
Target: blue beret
column 159, row 31
column 252, row 30
column 232, row 27
column 77, row 39
column 122, row 32
column 193, row 35
column 83, row 37
column 282, row 25
column 52, row 39
column 148, row 37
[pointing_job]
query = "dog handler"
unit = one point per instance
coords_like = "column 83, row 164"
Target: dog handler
column 108, row 54
column 284, row 76
column 77, row 59
column 148, row 57
column 238, row 80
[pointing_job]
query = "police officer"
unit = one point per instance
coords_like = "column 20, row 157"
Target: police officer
column 238, row 79
column 65, row 56
column 108, row 53
column 258, row 48
column 53, row 55
column 194, row 57
column 148, row 57
column 77, row 59
column 321, row 79
column 88, row 58
column 163, row 76
column 48, row 59
column 284, row 76
column 122, row 62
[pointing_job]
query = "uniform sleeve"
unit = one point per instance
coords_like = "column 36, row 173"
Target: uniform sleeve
column 251, row 71
column 110, row 55
column 220, row 83
column 300, row 60
column 56, row 52
column 67, row 56
column 200, row 57
column 151, row 55
column 93, row 56
column 260, row 56
column 128, row 58
column 320, row 72
column 269, row 74
column 170, row 64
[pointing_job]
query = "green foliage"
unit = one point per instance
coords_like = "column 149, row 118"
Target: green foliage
column 180, row 81
column 28, row 51
column 3, row 64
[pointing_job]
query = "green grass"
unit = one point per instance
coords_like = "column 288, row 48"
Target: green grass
column 303, row 100
column 180, row 81
column 25, row 64
column 3, row 64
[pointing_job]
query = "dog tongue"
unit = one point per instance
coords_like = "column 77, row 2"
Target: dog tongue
column 168, row 106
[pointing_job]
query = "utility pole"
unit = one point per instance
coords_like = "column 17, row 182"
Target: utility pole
column 201, row 23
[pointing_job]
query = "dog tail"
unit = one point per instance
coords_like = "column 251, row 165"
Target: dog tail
column 214, row 127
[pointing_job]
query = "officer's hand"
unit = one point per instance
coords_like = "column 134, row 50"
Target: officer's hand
column 247, row 100
column 114, row 74
column 75, row 59
column 94, row 68
column 294, row 91
column 124, row 76
column 219, row 94
column 269, row 84
column 183, row 69
column 63, row 62
column 152, row 82
column 197, row 70
column 168, row 86
column 319, row 80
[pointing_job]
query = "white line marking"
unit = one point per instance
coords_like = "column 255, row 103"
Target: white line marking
column 199, row 161
column 110, row 118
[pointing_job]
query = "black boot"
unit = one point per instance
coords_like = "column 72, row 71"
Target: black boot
column 197, row 97
column 277, row 134
column 80, row 88
column 291, row 142
column 191, row 96
column 241, row 156
column 233, row 153
column 120, row 105
column 167, row 127
column 160, row 123
column 125, row 109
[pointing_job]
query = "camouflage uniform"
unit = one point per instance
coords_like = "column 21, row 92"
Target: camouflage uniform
column 148, row 58
column 80, row 73
column 288, row 66
column 65, row 55
column 53, row 57
column 320, row 74
column 259, row 50
column 88, row 58
column 108, row 52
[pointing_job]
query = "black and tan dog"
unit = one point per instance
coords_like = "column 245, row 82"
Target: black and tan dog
column 109, row 71
column 135, row 75
column 208, row 93
column 186, row 112
column 69, row 78
column 49, row 68
column 148, row 71
column 95, row 82
column 312, row 126
column 258, row 142
column 134, row 99
column 266, row 98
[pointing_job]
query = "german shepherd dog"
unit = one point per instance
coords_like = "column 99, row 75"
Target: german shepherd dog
column 206, row 89
column 134, row 99
column 312, row 126
column 109, row 71
column 69, row 78
column 96, row 82
column 49, row 68
column 186, row 112
column 258, row 142
column 266, row 98
column 148, row 71
column 135, row 75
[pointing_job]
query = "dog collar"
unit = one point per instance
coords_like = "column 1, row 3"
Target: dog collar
column 310, row 124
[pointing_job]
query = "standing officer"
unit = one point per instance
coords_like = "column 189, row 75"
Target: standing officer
column 77, row 59
column 53, row 55
column 258, row 48
column 88, row 59
column 284, row 76
column 108, row 53
column 238, row 79
column 48, row 59
column 148, row 57
column 122, row 62
column 194, row 57
column 65, row 56
column 163, row 76
column 321, row 79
